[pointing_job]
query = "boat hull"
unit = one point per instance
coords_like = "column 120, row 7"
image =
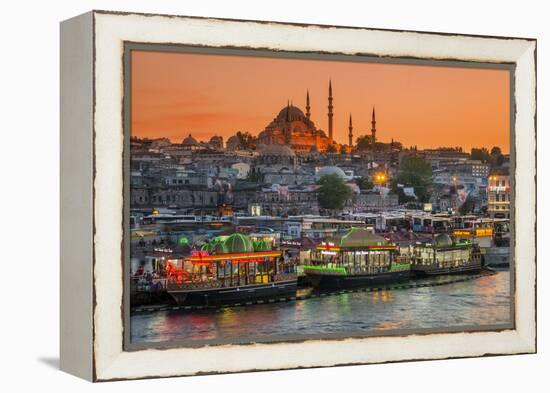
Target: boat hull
column 303, row 281
column 239, row 295
column 430, row 270
column 497, row 257
column 326, row 282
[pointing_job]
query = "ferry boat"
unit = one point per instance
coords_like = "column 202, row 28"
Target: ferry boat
column 479, row 230
column 232, row 270
column 492, row 235
column 359, row 258
column 446, row 255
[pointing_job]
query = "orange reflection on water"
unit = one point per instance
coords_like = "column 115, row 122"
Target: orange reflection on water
column 381, row 296
column 486, row 286
column 390, row 325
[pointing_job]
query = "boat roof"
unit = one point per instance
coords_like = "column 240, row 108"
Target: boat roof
column 358, row 238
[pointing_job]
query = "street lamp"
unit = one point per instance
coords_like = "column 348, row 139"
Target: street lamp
column 380, row 178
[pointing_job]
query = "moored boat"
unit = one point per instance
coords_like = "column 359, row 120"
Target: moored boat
column 497, row 257
column 446, row 255
column 358, row 258
column 230, row 271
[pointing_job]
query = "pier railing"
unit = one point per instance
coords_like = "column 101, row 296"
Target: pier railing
column 227, row 282
column 143, row 284
column 285, row 277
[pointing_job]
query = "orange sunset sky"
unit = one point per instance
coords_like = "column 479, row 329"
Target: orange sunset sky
column 176, row 94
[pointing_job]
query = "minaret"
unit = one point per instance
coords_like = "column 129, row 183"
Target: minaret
column 373, row 129
column 330, row 110
column 350, row 135
column 308, row 114
column 287, row 129
column 288, row 110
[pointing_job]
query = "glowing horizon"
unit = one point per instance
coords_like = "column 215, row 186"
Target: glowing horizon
column 177, row 94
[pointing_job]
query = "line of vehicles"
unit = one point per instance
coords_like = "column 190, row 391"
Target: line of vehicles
column 413, row 220
column 423, row 222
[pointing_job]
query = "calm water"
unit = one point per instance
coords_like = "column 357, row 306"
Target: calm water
column 482, row 301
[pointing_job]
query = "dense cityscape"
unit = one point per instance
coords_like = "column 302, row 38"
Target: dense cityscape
column 289, row 207
column 277, row 172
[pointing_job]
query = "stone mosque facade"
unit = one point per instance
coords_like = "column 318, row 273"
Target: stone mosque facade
column 296, row 130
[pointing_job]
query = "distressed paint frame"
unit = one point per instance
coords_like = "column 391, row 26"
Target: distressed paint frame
column 108, row 359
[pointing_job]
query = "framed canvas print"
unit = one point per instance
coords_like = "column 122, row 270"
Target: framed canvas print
column 246, row 195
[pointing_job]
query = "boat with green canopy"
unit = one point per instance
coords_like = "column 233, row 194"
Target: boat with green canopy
column 357, row 258
column 232, row 270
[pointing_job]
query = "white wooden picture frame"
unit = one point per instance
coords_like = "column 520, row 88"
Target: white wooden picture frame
column 92, row 190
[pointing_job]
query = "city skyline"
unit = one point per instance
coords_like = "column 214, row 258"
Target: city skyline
column 177, row 94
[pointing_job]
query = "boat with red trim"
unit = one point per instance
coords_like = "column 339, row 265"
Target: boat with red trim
column 232, row 270
column 359, row 258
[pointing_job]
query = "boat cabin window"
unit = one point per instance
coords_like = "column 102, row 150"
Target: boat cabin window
column 502, row 227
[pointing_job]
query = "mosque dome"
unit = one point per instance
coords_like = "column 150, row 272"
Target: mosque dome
column 294, row 128
column 443, row 240
column 331, row 170
column 190, row 141
column 277, row 150
column 291, row 112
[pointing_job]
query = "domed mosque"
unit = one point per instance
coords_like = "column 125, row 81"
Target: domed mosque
column 277, row 155
column 190, row 143
column 331, row 170
column 278, row 164
column 295, row 129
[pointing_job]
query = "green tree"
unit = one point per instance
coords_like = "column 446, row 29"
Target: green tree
column 496, row 157
column 331, row 149
column 396, row 145
column 401, row 196
column 364, row 183
column 363, row 142
column 254, row 177
column 343, row 149
column 247, row 140
column 415, row 172
column 468, row 206
column 481, row 154
column 333, row 192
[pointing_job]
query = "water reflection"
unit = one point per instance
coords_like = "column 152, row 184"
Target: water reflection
column 477, row 302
